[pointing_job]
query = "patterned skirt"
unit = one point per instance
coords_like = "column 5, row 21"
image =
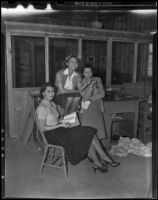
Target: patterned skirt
column 76, row 141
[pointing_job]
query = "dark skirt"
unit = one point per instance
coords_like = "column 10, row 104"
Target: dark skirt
column 61, row 99
column 76, row 141
column 93, row 117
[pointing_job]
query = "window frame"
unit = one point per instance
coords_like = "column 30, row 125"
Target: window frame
column 17, row 28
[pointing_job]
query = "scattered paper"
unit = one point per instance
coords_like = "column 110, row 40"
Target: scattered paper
column 72, row 119
column 134, row 145
column 85, row 105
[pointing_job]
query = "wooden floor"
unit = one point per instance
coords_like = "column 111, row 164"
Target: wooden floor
column 131, row 179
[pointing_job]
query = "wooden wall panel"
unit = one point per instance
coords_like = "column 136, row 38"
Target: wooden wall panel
column 123, row 22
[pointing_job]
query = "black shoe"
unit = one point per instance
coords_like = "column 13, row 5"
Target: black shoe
column 102, row 169
column 112, row 163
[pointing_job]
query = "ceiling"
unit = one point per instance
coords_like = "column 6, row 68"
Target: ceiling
column 88, row 13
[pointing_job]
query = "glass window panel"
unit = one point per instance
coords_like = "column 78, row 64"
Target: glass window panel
column 122, row 62
column 95, row 53
column 59, row 49
column 142, row 61
column 28, row 56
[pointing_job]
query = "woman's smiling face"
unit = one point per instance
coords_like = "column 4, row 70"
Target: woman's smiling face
column 49, row 93
column 72, row 64
column 87, row 72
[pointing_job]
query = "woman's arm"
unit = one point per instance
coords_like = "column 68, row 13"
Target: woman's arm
column 42, row 115
column 60, row 86
column 101, row 93
column 45, row 127
column 84, row 85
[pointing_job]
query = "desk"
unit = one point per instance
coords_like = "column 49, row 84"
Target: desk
column 121, row 105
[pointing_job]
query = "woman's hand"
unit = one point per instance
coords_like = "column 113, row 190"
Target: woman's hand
column 66, row 125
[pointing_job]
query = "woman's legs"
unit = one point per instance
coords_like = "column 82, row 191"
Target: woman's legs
column 68, row 105
column 92, row 154
column 102, row 153
column 74, row 104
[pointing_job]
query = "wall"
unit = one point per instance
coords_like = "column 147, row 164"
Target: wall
column 115, row 21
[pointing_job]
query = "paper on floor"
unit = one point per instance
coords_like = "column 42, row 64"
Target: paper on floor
column 134, row 145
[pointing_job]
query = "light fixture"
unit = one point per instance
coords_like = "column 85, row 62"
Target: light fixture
column 96, row 23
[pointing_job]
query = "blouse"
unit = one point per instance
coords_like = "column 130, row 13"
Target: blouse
column 48, row 112
column 69, row 82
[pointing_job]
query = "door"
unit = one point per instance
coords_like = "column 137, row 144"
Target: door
column 27, row 53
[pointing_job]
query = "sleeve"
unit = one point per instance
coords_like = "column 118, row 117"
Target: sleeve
column 100, row 84
column 79, row 78
column 79, row 81
column 41, row 112
column 98, row 93
column 58, row 77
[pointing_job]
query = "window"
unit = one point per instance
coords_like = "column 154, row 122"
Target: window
column 142, row 61
column 95, row 53
column 28, row 56
column 59, row 49
column 122, row 62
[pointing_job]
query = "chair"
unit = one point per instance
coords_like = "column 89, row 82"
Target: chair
column 145, row 123
column 119, row 117
column 54, row 155
column 135, row 89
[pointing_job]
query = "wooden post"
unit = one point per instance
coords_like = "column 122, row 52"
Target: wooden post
column 80, row 48
column 46, row 59
column 109, row 62
column 135, row 62
column 9, row 85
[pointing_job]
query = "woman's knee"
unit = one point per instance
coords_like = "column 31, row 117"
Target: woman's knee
column 76, row 100
column 69, row 100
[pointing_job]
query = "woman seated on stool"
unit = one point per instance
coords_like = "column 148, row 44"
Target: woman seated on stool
column 68, row 82
column 78, row 141
column 93, row 91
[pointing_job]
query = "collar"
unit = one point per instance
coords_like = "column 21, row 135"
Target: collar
column 66, row 72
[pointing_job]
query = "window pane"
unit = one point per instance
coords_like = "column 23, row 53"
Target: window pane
column 28, row 58
column 95, row 53
column 59, row 49
column 142, row 61
column 122, row 62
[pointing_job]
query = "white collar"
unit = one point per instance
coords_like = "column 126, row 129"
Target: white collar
column 66, row 72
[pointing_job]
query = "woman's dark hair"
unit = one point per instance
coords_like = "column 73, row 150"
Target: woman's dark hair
column 88, row 65
column 45, row 85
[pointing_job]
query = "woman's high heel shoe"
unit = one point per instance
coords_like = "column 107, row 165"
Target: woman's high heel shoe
column 102, row 169
column 112, row 163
